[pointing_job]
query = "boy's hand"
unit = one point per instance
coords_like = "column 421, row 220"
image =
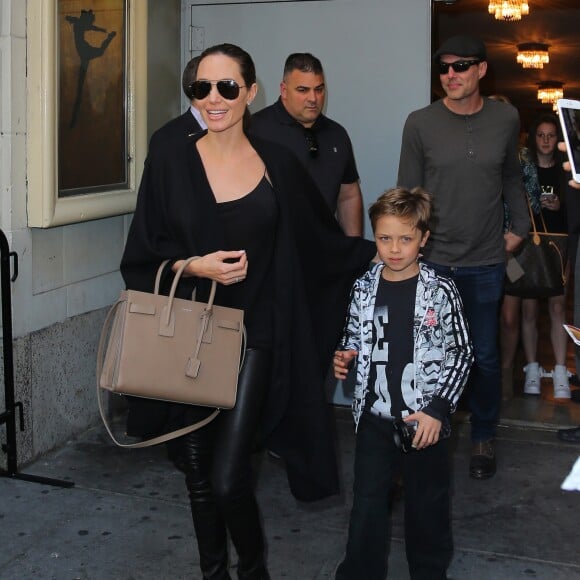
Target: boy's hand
column 342, row 361
column 428, row 429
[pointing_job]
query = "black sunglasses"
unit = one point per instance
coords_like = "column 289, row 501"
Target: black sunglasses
column 457, row 66
column 311, row 142
column 227, row 88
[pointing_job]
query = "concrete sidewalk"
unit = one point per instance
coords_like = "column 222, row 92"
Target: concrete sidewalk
column 127, row 517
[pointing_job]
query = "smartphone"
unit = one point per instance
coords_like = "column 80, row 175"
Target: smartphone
column 573, row 332
column 569, row 112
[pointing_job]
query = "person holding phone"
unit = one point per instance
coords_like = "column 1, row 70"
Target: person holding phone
column 544, row 182
column 572, row 435
column 569, row 110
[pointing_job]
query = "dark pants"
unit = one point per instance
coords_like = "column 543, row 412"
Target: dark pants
column 216, row 461
column 575, row 268
column 481, row 290
column 425, row 473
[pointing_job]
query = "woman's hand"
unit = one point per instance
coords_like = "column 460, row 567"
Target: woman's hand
column 428, row 429
column 342, row 361
column 551, row 202
column 224, row 267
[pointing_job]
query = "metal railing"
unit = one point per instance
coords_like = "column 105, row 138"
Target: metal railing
column 14, row 408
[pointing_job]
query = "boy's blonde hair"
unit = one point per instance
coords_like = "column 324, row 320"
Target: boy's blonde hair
column 414, row 205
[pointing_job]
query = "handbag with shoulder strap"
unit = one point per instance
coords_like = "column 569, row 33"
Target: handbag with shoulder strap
column 542, row 256
column 171, row 349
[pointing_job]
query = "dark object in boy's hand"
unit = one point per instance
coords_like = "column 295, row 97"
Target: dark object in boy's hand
column 404, row 433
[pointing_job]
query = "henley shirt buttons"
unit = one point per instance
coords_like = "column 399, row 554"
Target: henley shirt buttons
column 470, row 148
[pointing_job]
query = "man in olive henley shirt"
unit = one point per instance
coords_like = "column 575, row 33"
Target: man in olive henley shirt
column 463, row 149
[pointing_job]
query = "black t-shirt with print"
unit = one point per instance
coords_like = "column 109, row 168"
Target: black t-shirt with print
column 391, row 378
column 549, row 178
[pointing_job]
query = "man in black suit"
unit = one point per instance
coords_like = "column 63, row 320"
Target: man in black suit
column 187, row 124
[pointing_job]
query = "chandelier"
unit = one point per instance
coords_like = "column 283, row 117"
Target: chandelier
column 549, row 92
column 509, row 10
column 533, row 54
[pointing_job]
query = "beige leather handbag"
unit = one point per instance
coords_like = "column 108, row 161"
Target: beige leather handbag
column 171, row 349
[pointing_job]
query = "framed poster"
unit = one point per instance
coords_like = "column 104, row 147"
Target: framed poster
column 87, row 82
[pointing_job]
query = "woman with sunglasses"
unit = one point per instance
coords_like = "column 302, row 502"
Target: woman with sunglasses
column 261, row 229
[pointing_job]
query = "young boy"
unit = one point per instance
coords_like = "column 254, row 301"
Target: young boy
column 406, row 326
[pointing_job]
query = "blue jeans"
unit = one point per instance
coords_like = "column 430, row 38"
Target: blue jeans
column 426, row 480
column 481, row 289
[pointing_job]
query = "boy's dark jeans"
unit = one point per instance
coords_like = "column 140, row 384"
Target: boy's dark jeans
column 425, row 473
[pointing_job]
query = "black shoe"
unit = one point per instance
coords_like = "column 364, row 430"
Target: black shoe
column 482, row 464
column 574, row 381
column 569, row 435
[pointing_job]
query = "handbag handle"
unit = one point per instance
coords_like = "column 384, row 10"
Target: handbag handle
column 177, row 277
column 168, row 310
column 158, row 276
column 173, row 290
column 535, row 236
column 208, row 309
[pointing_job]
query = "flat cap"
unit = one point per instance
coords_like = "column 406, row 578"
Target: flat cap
column 462, row 46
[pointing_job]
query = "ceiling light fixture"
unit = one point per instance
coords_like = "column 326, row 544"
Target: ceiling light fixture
column 550, row 92
column 533, row 54
column 509, row 10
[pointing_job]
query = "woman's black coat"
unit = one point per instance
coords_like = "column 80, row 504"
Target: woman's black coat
column 315, row 265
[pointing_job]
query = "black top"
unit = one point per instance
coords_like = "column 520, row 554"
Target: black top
column 331, row 165
column 556, row 221
column 250, row 224
column 391, row 378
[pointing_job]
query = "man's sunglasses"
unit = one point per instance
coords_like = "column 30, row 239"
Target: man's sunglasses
column 311, row 142
column 457, row 66
column 228, row 89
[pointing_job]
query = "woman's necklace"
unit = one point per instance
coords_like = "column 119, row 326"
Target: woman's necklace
column 546, row 163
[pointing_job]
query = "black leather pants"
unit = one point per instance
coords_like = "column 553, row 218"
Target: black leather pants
column 216, row 461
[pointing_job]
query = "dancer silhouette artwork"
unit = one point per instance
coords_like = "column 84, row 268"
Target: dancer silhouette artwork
column 82, row 24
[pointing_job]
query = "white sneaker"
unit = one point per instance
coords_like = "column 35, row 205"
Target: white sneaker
column 561, row 383
column 532, row 385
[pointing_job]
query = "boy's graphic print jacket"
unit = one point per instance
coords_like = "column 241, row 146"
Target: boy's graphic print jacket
column 442, row 353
